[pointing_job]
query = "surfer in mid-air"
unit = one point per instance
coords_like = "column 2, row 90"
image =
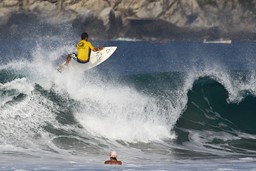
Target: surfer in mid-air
column 84, row 48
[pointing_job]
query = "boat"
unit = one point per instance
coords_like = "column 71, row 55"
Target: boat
column 224, row 41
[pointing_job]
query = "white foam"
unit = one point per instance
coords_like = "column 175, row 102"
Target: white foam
column 121, row 113
column 21, row 121
column 20, row 84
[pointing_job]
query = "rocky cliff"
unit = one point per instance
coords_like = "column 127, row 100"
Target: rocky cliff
column 142, row 19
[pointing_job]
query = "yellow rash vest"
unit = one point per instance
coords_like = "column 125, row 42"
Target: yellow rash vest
column 83, row 50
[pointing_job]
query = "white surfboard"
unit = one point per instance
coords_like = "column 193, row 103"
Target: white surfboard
column 96, row 58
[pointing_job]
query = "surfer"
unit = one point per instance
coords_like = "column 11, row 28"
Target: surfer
column 113, row 159
column 84, row 48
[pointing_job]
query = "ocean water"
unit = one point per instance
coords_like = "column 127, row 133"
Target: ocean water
column 160, row 105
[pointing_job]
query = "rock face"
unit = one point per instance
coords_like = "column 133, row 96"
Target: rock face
column 142, row 19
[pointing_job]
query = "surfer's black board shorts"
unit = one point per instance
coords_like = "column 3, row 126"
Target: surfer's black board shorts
column 74, row 56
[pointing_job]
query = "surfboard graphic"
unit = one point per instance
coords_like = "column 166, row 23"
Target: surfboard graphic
column 96, row 58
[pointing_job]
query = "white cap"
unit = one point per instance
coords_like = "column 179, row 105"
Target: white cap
column 113, row 154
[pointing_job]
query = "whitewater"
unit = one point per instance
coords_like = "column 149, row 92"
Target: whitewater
column 161, row 106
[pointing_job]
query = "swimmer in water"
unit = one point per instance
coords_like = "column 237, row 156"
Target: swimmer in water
column 113, row 159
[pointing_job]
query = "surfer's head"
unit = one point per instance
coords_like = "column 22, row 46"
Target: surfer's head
column 84, row 36
column 113, row 154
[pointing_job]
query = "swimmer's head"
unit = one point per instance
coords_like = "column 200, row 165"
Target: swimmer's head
column 113, row 154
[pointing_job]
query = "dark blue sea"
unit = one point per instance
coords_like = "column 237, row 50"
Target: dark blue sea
column 161, row 105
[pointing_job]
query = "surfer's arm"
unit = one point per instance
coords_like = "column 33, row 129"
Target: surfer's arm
column 97, row 49
column 94, row 49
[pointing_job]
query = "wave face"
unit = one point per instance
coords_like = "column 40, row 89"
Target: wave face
column 171, row 100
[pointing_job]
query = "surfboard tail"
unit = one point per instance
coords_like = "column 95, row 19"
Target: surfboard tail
column 61, row 68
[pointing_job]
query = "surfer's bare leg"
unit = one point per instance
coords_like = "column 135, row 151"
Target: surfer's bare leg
column 68, row 59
